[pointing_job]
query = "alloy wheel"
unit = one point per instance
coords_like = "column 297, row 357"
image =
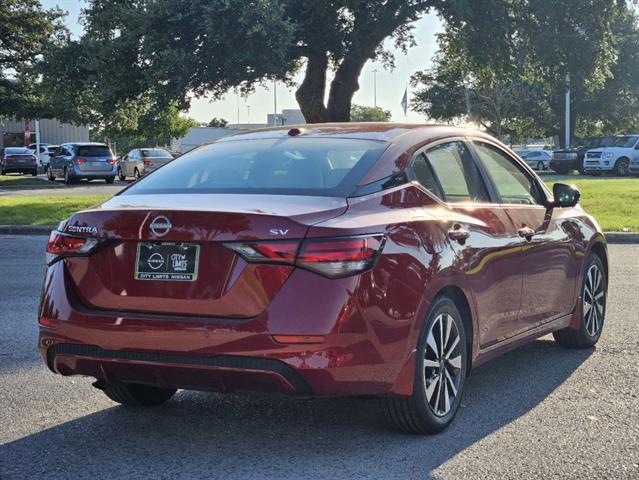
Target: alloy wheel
column 442, row 364
column 593, row 300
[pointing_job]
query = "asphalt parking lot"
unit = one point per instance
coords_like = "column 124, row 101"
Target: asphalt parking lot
column 538, row 412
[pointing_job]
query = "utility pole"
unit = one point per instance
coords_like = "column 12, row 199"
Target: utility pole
column 567, row 111
column 274, row 102
column 375, row 88
column 248, row 114
column 37, row 129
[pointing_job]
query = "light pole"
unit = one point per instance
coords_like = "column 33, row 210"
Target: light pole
column 248, row 114
column 237, row 91
column 274, row 102
column 375, row 88
column 567, row 111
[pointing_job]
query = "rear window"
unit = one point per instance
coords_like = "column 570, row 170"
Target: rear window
column 156, row 152
column 16, row 151
column 94, row 151
column 286, row 166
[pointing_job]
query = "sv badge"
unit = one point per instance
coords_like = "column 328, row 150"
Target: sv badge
column 278, row 231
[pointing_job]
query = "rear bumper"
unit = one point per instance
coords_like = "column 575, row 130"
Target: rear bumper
column 20, row 168
column 77, row 173
column 360, row 354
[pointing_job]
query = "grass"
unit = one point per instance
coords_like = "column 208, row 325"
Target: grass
column 22, row 181
column 614, row 202
column 45, row 209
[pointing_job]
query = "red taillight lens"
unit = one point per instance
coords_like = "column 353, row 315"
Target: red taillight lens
column 331, row 257
column 340, row 257
column 64, row 245
column 147, row 163
column 33, row 159
column 267, row 252
column 79, row 161
column 112, row 161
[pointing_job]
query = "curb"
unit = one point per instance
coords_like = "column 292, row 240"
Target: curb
column 622, row 237
column 26, row 229
column 612, row 237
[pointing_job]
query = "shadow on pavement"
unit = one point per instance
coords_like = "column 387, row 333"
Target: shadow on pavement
column 228, row 436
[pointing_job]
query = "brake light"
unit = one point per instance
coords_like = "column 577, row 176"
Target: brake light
column 112, row 161
column 336, row 258
column 64, row 245
column 147, row 163
column 33, row 159
column 267, row 252
column 79, row 161
column 331, row 257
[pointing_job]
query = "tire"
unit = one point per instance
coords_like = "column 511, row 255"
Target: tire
column 68, row 179
column 136, row 174
column 34, row 173
column 109, row 180
column 622, row 167
column 540, row 166
column 593, row 311
column 50, row 175
column 3, row 171
column 421, row 413
column 137, row 395
column 121, row 175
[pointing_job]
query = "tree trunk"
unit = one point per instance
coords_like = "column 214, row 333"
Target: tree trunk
column 344, row 86
column 310, row 94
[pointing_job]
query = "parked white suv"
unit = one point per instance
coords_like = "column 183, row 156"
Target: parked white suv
column 615, row 158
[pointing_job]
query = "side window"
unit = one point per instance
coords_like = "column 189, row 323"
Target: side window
column 512, row 183
column 449, row 172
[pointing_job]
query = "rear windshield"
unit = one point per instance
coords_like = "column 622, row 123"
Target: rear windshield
column 285, row 166
column 94, row 151
column 16, row 151
column 156, row 152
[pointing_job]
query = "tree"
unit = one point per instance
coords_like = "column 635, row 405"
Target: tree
column 218, row 123
column 26, row 31
column 369, row 114
column 172, row 50
column 539, row 45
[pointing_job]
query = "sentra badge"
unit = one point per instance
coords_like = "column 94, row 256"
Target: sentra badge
column 87, row 230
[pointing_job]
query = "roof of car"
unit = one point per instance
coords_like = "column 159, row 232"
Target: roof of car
column 364, row 130
column 87, row 144
column 17, row 149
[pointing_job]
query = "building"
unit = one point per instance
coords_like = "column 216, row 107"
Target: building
column 13, row 133
column 199, row 136
column 287, row 117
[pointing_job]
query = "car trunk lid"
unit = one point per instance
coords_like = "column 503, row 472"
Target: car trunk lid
column 181, row 229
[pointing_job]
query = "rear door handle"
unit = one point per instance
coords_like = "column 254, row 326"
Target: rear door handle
column 526, row 232
column 458, row 234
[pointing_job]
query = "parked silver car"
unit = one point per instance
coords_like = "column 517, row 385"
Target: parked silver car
column 537, row 159
column 142, row 160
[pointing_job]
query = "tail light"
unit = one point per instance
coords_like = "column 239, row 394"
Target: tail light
column 147, row 163
column 112, row 161
column 33, row 159
column 79, row 161
column 331, row 257
column 64, row 245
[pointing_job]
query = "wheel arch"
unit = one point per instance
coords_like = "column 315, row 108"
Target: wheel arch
column 458, row 296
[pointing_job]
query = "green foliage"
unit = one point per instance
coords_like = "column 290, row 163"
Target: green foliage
column 26, row 31
column 218, row 123
column 360, row 113
column 507, row 70
column 173, row 50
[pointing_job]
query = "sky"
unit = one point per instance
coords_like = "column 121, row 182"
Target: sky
column 390, row 84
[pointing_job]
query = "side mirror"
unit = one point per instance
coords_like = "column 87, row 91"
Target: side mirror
column 565, row 195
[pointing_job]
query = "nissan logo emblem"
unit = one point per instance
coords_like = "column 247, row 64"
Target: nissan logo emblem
column 160, row 226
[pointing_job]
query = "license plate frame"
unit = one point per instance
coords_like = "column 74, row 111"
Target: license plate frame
column 167, row 261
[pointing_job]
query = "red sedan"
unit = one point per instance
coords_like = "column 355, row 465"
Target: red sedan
column 338, row 259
